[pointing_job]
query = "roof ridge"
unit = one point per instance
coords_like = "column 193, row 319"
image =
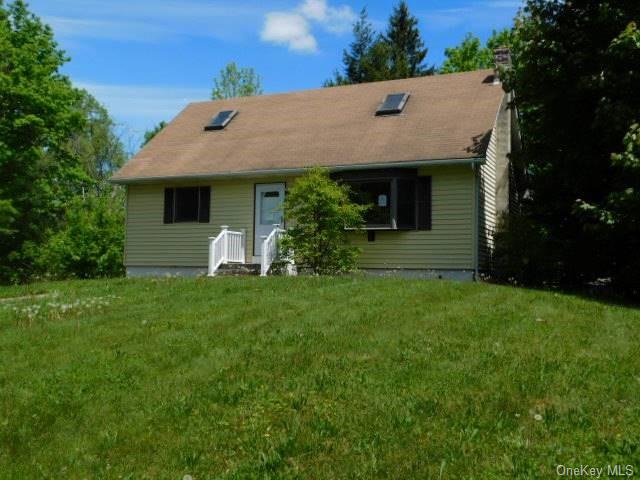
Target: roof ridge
column 344, row 87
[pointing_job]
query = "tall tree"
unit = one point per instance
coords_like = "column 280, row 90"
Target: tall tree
column 353, row 60
column 471, row 55
column 576, row 74
column 97, row 145
column 149, row 134
column 37, row 118
column 236, row 82
column 373, row 57
column 407, row 49
column 616, row 219
column 367, row 59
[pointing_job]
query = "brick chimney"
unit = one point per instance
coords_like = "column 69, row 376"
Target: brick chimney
column 501, row 59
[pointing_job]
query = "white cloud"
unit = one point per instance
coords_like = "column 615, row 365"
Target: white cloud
column 333, row 19
column 341, row 19
column 314, row 9
column 293, row 28
column 290, row 29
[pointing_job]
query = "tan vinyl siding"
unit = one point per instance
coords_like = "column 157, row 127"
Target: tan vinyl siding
column 150, row 242
column 449, row 243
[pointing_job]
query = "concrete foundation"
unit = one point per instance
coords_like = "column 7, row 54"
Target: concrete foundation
column 166, row 271
column 462, row 275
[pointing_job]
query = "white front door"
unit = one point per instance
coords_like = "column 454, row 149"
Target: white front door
column 269, row 198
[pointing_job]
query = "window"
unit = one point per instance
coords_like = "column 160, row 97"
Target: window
column 270, row 212
column 398, row 199
column 187, row 204
column 378, row 196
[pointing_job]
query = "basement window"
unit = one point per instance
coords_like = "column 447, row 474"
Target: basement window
column 187, row 204
column 398, row 199
column 393, row 104
column 221, row 120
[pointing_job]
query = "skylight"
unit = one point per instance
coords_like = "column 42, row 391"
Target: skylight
column 393, row 104
column 221, row 120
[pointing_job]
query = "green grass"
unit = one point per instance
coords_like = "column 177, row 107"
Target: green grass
column 313, row 378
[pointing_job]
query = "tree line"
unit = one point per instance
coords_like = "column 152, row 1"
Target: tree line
column 575, row 76
column 58, row 146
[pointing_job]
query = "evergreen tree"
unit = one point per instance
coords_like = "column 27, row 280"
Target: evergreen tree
column 407, row 50
column 373, row 57
column 366, row 60
column 354, row 60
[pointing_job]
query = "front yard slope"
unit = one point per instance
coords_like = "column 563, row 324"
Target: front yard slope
column 237, row 378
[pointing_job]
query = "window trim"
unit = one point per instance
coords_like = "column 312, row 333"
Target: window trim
column 393, row 175
column 169, row 211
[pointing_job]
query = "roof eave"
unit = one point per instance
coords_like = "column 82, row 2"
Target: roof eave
column 297, row 170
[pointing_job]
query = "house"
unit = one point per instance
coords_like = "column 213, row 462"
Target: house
column 430, row 153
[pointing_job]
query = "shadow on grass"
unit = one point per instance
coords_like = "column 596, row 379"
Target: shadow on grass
column 603, row 294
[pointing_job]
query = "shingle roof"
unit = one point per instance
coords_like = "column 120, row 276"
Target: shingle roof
column 446, row 117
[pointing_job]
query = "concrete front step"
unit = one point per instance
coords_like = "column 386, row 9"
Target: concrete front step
column 234, row 269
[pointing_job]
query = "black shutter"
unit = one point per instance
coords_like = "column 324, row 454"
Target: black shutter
column 168, row 205
column 205, row 201
column 424, row 203
column 406, row 203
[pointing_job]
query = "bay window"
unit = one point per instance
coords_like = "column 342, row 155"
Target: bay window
column 398, row 199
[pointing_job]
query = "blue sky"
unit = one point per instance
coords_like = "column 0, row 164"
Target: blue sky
column 146, row 59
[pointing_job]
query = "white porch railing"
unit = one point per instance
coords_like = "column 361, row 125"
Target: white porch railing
column 228, row 246
column 270, row 249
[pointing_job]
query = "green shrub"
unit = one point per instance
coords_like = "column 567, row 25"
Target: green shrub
column 90, row 242
column 319, row 211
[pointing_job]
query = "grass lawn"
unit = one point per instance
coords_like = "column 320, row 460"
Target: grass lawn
column 313, row 378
